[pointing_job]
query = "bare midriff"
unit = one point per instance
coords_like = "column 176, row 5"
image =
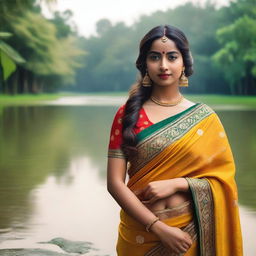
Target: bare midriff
column 169, row 202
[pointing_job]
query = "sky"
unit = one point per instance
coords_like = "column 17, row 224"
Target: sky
column 88, row 12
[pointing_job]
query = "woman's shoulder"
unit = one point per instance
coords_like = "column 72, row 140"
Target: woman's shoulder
column 201, row 105
column 206, row 107
column 120, row 110
column 118, row 115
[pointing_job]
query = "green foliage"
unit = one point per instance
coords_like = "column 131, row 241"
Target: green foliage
column 8, row 57
column 110, row 64
column 222, row 42
column 10, row 52
column 49, row 47
column 5, row 34
column 237, row 57
column 7, row 64
column 61, row 22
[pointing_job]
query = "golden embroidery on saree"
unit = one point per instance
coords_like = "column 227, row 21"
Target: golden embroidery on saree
column 149, row 147
column 204, row 208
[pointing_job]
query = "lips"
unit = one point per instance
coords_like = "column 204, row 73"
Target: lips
column 164, row 76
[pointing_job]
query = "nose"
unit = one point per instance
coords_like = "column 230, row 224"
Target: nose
column 163, row 64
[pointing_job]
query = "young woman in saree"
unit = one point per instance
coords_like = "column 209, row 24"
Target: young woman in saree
column 181, row 196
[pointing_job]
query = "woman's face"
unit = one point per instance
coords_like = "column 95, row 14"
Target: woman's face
column 164, row 63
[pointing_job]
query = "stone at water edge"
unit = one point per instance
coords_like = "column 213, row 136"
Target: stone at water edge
column 33, row 252
column 71, row 246
column 30, row 252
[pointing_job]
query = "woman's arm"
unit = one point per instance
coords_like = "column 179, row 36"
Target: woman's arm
column 173, row 238
column 156, row 190
column 181, row 185
column 116, row 172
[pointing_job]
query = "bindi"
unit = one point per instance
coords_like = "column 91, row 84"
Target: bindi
column 163, row 52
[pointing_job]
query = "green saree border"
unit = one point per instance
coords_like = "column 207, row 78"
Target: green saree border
column 204, row 209
column 156, row 126
column 168, row 132
column 181, row 122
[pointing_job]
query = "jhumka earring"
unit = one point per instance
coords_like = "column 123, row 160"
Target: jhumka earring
column 164, row 38
column 146, row 82
column 183, row 79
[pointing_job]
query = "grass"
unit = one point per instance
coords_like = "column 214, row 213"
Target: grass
column 30, row 99
column 26, row 99
column 35, row 99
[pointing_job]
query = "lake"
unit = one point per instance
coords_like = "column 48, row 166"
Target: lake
column 53, row 173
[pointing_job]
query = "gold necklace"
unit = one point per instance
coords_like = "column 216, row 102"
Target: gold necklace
column 166, row 104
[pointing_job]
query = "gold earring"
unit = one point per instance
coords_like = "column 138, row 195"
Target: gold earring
column 146, row 82
column 183, row 79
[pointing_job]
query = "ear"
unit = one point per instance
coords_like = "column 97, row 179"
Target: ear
column 183, row 69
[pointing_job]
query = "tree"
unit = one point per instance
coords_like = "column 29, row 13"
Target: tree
column 237, row 57
column 8, row 59
column 49, row 47
column 50, row 60
column 8, row 56
column 103, row 26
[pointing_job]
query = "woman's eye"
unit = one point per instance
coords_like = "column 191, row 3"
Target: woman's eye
column 172, row 57
column 154, row 57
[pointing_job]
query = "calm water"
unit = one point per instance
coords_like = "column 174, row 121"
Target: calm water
column 53, row 173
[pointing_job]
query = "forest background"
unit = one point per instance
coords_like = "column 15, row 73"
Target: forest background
column 46, row 55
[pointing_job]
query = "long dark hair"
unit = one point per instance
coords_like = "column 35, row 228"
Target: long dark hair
column 138, row 94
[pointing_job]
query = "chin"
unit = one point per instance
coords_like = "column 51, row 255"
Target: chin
column 164, row 83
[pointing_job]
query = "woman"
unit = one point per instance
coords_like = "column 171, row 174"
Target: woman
column 181, row 196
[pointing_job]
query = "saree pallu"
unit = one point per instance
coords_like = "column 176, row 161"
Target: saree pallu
column 192, row 144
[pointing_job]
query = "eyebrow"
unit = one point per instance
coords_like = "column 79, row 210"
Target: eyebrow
column 160, row 52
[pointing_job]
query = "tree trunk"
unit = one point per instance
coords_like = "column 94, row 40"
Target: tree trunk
column 34, row 88
column 25, row 81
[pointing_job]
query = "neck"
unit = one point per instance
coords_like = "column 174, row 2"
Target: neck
column 166, row 93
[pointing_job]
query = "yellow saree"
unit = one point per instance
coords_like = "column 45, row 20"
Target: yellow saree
column 192, row 144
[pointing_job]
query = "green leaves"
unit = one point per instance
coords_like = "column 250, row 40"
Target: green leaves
column 8, row 57
column 11, row 52
column 49, row 47
column 237, row 57
column 7, row 64
column 46, row 54
column 5, row 34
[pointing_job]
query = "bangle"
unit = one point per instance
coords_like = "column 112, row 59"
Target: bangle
column 151, row 223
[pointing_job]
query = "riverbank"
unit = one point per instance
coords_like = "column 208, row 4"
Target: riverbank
column 38, row 99
column 59, row 151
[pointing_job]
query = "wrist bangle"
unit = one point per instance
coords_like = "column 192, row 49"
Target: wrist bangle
column 151, row 223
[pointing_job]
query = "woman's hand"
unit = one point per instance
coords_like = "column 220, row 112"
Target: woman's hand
column 173, row 238
column 156, row 190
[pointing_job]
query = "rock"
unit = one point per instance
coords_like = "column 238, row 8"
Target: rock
column 71, row 246
column 29, row 252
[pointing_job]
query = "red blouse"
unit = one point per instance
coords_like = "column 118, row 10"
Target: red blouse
column 115, row 141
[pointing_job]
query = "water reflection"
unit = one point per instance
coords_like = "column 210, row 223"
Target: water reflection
column 73, row 206
column 53, row 174
column 241, row 127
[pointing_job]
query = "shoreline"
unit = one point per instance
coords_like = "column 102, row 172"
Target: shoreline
column 225, row 102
